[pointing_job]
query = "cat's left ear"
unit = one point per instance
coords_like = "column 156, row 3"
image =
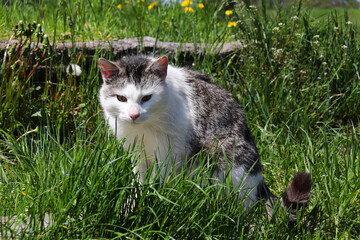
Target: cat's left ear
column 159, row 67
column 108, row 70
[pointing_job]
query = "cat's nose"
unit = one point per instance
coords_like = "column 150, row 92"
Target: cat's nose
column 134, row 116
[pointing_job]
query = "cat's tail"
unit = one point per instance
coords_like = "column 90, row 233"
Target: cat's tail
column 294, row 199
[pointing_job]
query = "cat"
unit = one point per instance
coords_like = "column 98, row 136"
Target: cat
column 174, row 113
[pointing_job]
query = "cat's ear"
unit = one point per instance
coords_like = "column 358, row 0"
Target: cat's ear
column 109, row 70
column 159, row 67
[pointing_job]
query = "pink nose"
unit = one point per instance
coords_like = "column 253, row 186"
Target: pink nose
column 134, row 116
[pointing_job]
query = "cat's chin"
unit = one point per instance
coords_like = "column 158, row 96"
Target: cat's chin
column 134, row 122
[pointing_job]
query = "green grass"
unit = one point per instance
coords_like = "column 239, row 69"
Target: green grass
column 352, row 14
column 104, row 20
column 297, row 78
column 87, row 183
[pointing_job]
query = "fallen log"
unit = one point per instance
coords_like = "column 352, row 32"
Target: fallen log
column 146, row 45
column 186, row 53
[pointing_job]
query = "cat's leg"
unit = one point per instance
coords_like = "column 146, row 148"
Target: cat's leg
column 155, row 162
column 238, row 162
column 245, row 183
column 170, row 161
column 170, row 168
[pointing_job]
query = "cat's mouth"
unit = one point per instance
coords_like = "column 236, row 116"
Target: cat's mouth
column 135, row 121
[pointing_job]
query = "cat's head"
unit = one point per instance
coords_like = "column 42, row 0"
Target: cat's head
column 133, row 88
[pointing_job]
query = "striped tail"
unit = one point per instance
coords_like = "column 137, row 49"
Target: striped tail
column 295, row 198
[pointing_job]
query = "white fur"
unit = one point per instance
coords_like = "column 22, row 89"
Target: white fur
column 161, row 129
column 247, row 185
column 162, row 124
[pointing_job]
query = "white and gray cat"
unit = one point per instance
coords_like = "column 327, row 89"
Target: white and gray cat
column 174, row 113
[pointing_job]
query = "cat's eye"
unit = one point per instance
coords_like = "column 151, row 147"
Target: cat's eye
column 146, row 98
column 121, row 98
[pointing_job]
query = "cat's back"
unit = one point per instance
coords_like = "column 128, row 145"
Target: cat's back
column 203, row 84
column 214, row 106
column 218, row 117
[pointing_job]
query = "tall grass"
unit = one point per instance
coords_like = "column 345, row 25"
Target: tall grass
column 296, row 78
column 290, row 70
column 87, row 185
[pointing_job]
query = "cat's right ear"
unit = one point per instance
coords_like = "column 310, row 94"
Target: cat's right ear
column 159, row 67
column 109, row 70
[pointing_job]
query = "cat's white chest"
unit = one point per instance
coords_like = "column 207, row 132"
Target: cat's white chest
column 163, row 145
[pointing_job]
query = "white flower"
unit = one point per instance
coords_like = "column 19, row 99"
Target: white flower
column 316, row 42
column 294, row 18
column 336, row 28
column 277, row 52
column 276, row 29
column 73, row 69
column 348, row 22
column 252, row 6
column 344, row 47
column 316, row 36
column 280, row 24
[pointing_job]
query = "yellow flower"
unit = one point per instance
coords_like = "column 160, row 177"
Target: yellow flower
column 188, row 9
column 232, row 24
column 119, row 6
column 200, row 5
column 218, row 24
column 152, row 5
column 186, row 3
column 228, row 12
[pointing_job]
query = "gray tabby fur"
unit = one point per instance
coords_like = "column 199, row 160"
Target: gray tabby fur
column 186, row 114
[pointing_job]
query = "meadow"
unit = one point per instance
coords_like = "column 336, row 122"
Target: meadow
column 297, row 77
column 353, row 14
